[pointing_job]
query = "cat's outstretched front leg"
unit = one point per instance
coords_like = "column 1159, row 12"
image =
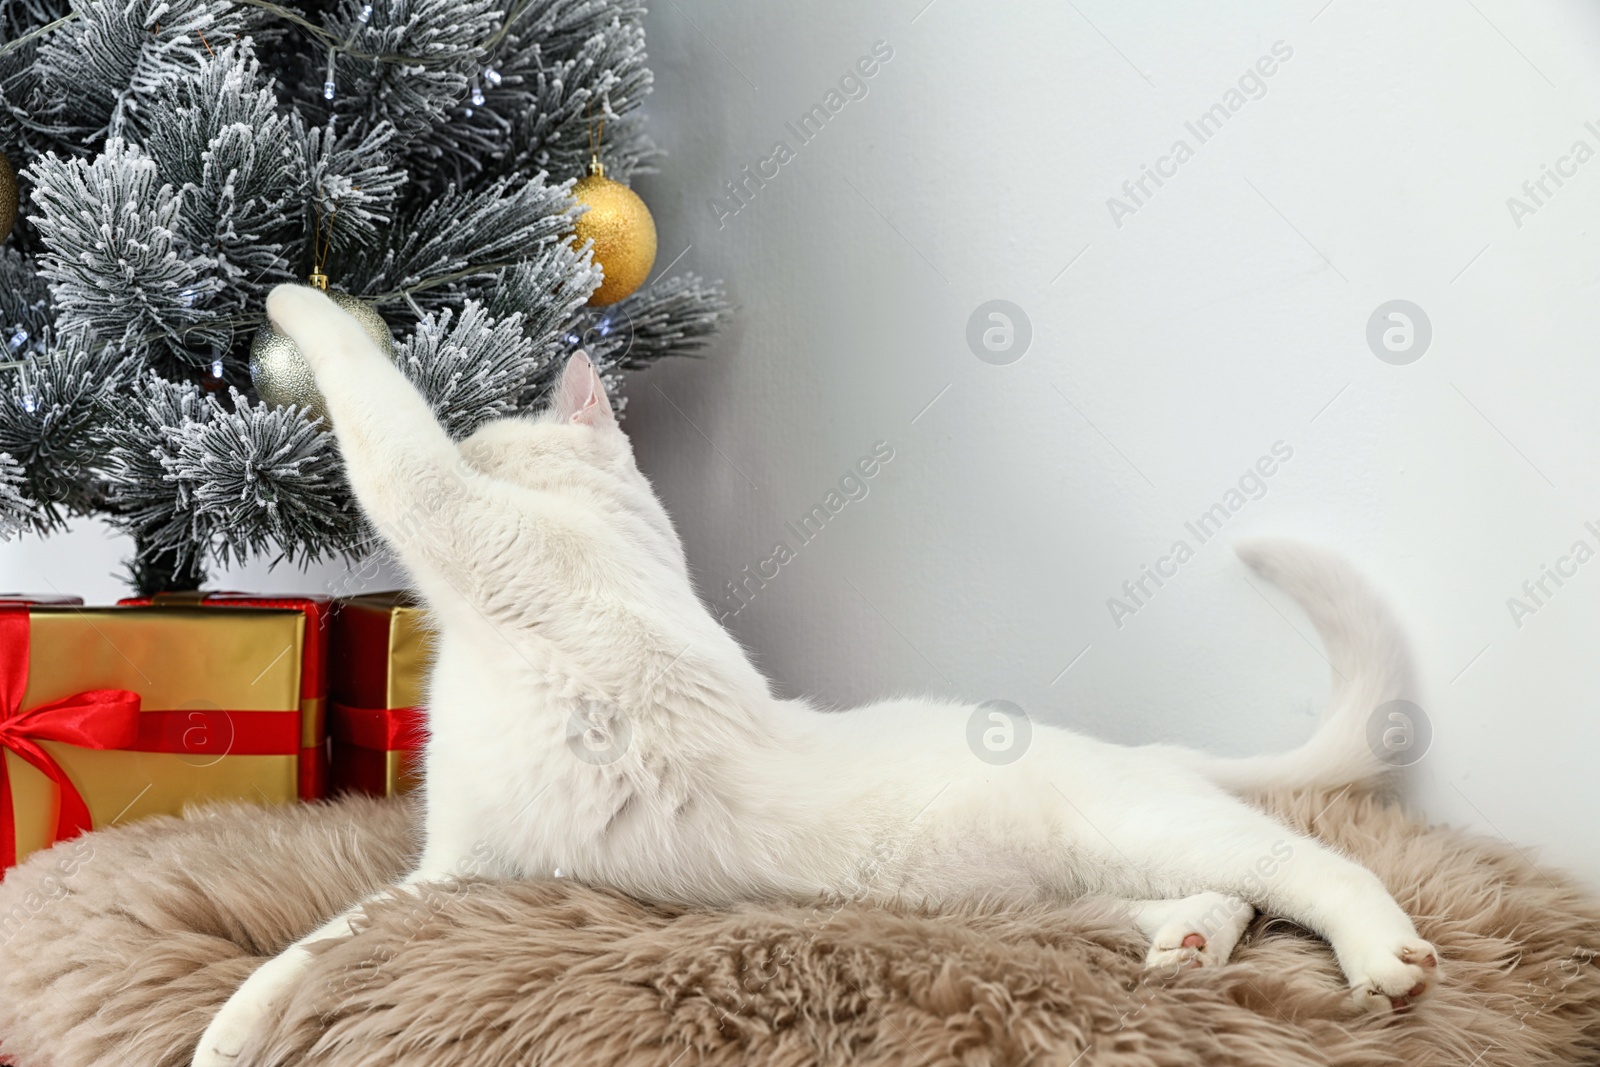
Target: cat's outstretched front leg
column 404, row 468
column 257, row 1004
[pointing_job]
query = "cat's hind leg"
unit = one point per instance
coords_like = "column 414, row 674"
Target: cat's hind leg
column 1196, row 931
column 1176, row 843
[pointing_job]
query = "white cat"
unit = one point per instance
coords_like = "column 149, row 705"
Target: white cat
column 589, row 716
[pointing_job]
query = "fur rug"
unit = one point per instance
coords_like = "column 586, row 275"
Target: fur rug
column 116, row 948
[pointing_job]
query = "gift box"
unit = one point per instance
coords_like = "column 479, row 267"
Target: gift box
column 112, row 714
column 313, row 667
column 382, row 651
column 380, row 658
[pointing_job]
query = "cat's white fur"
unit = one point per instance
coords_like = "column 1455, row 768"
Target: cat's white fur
column 588, row 715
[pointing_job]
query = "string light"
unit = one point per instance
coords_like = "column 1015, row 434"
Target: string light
column 492, row 76
column 446, row 59
column 18, row 339
column 327, row 84
column 406, row 293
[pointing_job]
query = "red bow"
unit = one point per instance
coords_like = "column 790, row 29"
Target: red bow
column 96, row 718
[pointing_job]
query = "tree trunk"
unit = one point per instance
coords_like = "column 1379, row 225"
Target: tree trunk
column 160, row 571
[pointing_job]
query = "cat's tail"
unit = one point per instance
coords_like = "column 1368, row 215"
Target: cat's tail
column 1371, row 666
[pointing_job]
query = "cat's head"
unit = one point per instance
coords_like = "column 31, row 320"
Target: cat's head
column 575, row 444
column 577, row 430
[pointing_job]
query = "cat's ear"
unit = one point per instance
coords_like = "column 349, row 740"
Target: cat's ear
column 581, row 396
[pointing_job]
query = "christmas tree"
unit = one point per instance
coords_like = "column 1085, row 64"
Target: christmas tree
column 179, row 158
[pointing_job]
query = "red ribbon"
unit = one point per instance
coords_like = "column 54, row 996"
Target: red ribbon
column 382, row 729
column 95, row 718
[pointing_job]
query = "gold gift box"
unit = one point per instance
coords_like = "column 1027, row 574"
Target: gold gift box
column 382, row 652
column 216, row 668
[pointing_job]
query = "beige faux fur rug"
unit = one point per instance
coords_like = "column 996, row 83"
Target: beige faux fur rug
column 115, row 950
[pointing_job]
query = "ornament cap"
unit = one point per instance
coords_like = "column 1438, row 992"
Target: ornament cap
column 319, row 280
column 597, row 168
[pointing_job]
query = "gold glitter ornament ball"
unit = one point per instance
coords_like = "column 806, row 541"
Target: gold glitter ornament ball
column 280, row 371
column 9, row 201
column 622, row 230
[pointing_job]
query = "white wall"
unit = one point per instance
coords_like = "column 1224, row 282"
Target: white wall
column 1221, row 317
column 88, row 561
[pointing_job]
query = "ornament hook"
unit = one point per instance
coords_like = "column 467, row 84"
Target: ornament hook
column 596, row 168
column 321, row 246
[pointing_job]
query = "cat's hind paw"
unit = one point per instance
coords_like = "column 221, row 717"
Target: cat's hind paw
column 1393, row 980
column 1190, row 953
column 1197, row 931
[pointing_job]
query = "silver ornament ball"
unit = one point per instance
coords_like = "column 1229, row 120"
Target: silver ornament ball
column 280, row 371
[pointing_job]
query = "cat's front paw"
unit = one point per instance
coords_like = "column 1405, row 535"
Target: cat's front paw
column 1393, row 979
column 223, row 1041
column 294, row 308
column 253, row 1008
